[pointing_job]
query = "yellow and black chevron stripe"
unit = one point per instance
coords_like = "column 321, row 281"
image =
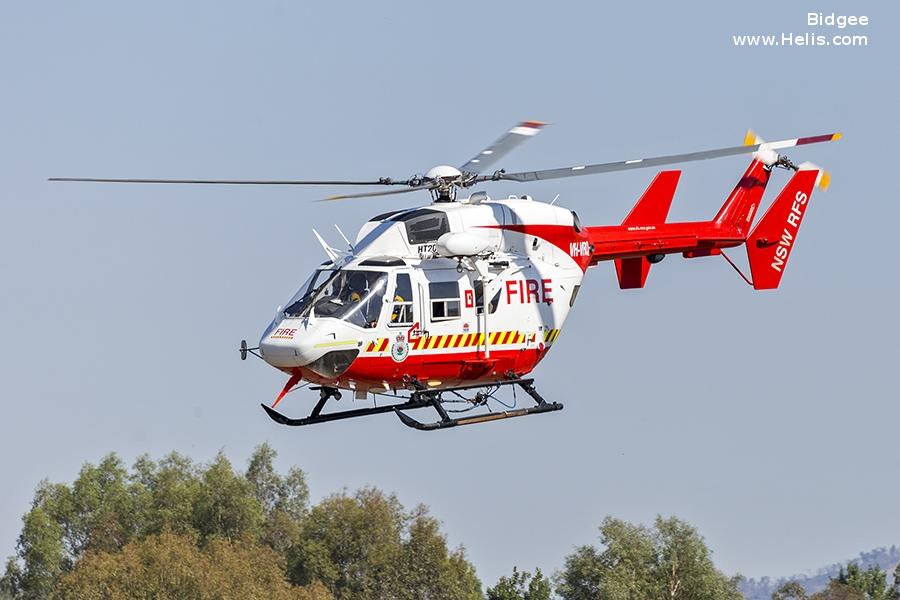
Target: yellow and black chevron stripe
column 462, row 340
column 378, row 345
column 456, row 340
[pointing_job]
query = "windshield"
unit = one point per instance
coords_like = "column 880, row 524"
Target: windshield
column 301, row 299
column 353, row 296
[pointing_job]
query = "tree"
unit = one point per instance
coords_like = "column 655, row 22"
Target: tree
column 284, row 499
column 276, row 493
column 521, row 585
column 172, row 565
column 856, row 584
column 167, row 493
column 838, row 591
column 40, row 546
column 367, row 547
column 225, row 504
column 580, row 578
column 684, row 565
column 670, row 561
column 428, row 569
column 790, row 591
column 103, row 528
column 106, row 507
column 10, row 582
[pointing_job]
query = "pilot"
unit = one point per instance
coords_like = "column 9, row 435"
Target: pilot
column 357, row 286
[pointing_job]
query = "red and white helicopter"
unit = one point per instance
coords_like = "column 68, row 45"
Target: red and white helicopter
column 441, row 306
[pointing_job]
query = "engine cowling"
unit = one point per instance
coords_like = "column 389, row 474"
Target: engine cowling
column 463, row 244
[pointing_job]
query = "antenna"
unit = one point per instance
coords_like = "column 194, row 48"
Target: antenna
column 331, row 252
column 344, row 236
column 554, row 200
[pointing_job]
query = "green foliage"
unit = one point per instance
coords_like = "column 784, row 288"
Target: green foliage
column 581, row 576
column 838, row 591
column 790, row 590
column 40, row 546
column 11, row 580
column 366, row 546
column 856, row 584
column 167, row 494
column 174, row 566
column 106, row 508
column 225, row 505
column 276, row 493
column 176, row 529
column 521, row 585
column 670, row 560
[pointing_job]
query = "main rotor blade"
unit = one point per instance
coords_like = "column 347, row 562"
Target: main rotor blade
column 383, row 181
column 503, row 146
column 641, row 163
column 378, row 193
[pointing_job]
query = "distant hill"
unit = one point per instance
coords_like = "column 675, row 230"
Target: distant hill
column 761, row 589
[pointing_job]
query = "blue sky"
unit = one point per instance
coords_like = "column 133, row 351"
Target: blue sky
column 766, row 419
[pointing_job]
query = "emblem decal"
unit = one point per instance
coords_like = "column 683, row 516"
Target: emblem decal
column 400, row 349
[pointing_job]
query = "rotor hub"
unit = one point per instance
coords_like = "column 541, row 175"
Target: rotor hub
column 445, row 180
column 443, row 173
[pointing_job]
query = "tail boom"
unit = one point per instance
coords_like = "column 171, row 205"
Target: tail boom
column 769, row 243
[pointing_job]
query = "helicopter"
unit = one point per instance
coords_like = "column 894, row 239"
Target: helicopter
column 443, row 305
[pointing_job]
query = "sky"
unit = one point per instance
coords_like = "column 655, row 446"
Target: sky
column 766, row 419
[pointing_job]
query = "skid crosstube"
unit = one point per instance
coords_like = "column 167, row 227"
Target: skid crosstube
column 484, row 418
column 445, row 421
column 422, row 397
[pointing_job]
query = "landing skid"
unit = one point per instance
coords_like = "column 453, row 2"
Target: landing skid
column 422, row 397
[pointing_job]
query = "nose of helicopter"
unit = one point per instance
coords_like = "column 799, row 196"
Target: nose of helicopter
column 293, row 343
column 283, row 346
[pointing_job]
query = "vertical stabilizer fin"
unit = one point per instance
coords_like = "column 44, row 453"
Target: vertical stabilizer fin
column 651, row 209
column 770, row 243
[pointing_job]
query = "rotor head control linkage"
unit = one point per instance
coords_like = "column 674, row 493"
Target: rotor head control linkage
column 784, row 162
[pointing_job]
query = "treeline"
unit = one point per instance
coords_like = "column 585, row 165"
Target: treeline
column 885, row 559
column 177, row 529
column 852, row 583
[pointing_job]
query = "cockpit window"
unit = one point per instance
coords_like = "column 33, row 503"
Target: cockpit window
column 402, row 311
column 424, row 225
column 350, row 295
column 303, row 297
